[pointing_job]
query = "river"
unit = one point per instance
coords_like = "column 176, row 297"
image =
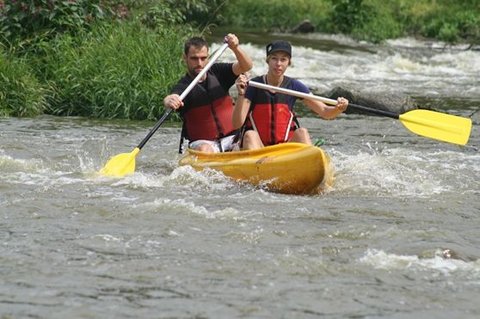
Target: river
column 397, row 236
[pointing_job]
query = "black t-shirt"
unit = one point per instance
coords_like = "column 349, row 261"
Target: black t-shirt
column 222, row 71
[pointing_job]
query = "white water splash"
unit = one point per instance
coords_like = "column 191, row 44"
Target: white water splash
column 403, row 66
column 379, row 259
column 8, row 163
column 189, row 207
column 400, row 172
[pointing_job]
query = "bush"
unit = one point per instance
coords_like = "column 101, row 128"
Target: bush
column 22, row 20
column 348, row 15
column 21, row 94
column 274, row 15
column 377, row 22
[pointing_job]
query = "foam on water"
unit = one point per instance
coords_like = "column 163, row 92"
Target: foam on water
column 10, row 164
column 396, row 172
column 413, row 43
column 34, row 172
column 189, row 207
column 380, row 259
column 400, row 172
column 404, row 66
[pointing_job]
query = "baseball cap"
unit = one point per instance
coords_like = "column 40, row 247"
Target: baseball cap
column 279, row 45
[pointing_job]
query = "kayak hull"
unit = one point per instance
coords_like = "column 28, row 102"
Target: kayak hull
column 289, row 168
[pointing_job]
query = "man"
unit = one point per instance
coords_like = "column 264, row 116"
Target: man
column 207, row 110
column 268, row 118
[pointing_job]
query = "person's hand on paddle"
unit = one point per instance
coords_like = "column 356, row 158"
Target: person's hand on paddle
column 241, row 83
column 173, row 101
column 232, row 41
column 342, row 104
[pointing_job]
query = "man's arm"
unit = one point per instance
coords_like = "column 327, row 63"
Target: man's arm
column 244, row 62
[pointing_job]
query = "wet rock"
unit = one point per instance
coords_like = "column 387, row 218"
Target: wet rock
column 392, row 102
column 475, row 116
column 304, row 27
column 447, row 253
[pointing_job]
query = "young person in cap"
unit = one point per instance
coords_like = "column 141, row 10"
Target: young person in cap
column 268, row 118
column 207, row 110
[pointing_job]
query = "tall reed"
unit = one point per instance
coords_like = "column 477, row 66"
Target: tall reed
column 21, row 94
column 119, row 70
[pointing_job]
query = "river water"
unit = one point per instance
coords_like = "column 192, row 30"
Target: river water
column 397, row 236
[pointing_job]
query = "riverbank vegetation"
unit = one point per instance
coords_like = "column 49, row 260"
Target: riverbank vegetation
column 370, row 20
column 118, row 59
column 100, row 75
column 89, row 58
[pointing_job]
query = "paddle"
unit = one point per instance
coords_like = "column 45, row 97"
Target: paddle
column 439, row 126
column 123, row 164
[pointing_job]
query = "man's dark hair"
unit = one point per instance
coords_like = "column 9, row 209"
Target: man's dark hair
column 197, row 42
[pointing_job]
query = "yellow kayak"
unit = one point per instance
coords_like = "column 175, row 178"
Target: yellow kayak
column 289, row 168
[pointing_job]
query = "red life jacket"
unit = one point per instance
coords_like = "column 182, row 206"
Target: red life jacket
column 271, row 116
column 207, row 114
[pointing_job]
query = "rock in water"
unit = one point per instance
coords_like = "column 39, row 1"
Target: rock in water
column 304, row 27
column 392, row 102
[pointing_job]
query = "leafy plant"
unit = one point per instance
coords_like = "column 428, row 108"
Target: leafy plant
column 274, row 15
column 28, row 20
column 381, row 21
column 159, row 16
column 349, row 15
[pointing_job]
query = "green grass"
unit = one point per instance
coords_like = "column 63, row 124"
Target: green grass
column 21, row 94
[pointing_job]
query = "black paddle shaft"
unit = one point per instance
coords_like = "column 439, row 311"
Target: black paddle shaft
column 375, row 111
column 155, row 128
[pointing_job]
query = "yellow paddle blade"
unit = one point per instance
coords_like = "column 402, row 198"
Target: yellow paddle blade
column 121, row 164
column 439, row 126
